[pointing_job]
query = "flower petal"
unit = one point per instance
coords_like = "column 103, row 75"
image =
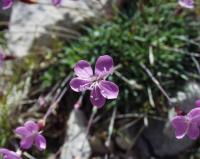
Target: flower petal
column 96, row 98
column 197, row 103
column 180, row 125
column 7, row 154
column 104, row 66
column 4, row 151
column 40, row 142
column 83, row 69
column 22, row 131
column 27, row 142
column 7, row 4
column 79, row 85
column 194, row 115
column 109, row 89
column 31, row 126
column 193, row 131
column 56, row 2
column 13, row 155
column 186, row 3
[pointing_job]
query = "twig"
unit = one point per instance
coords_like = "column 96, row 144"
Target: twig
column 54, row 105
column 196, row 63
column 195, row 54
column 28, row 102
column 94, row 111
column 185, row 39
column 135, row 139
column 156, row 82
column 78, row 104
column 28, row 155
column 63, row 84
column 130, row 124
column 133, row 84
column 58, row 97
column 89, row 125
column 136, row 115
column 111, row 126
column 150, row 95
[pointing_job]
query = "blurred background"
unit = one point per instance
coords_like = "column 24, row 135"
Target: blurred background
column 156, row 45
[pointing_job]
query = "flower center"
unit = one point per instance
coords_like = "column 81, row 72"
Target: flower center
column 94, row 84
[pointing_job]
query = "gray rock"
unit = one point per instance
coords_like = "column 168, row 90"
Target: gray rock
column 76, row 144
column 29, row 22
column 161, row 141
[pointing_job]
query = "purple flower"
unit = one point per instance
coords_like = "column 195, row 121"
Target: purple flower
column 186, row 3
column 30, row 135
column 95, row 82
column 7, row 154
column 56, row 2
column 197, row 103
column 187, row 125
column 7, row 4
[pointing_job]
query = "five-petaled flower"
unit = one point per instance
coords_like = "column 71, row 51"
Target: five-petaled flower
column 30, row 135
column 186, row 3
column 187, row 125
column 95, row 82
column 7, row 154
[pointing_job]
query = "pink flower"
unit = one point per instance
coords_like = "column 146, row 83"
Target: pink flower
column 187, row 125
column 56, row 2
column 30, row 135
column 186, row 3
column 95, row 82
column 7, row 154
column 7, row 4
column 197, row 103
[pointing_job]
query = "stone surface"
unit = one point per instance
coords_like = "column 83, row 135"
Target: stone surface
column 76, row 144
column 29, row 22
column 161, row 141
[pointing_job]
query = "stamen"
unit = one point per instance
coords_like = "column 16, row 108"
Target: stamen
column 105, row 70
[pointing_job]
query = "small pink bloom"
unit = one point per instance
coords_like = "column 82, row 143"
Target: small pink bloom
column 7, row 4
column 186, row 3
column 95, row 82
column 30, row 135
column 56, row 2
column 187, row 125
column 7, row 154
